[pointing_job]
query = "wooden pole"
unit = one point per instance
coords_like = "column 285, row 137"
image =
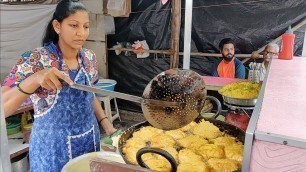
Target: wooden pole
column 171, row 52
column 175, row 33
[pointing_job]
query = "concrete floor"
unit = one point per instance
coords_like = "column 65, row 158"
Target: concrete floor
column 128, row 119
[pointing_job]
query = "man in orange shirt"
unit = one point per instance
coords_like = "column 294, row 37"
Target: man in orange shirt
column 229, row 67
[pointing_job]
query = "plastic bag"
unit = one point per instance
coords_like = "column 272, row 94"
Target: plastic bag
column 141, row 45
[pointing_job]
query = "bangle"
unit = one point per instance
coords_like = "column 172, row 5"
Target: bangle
column 21, row 90
column 102, row 119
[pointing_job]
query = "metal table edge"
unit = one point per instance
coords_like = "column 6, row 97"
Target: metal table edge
column 250, row 132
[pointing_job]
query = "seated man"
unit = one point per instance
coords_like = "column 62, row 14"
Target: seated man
column 271, row 50
column 258, row 68
column 229, row 67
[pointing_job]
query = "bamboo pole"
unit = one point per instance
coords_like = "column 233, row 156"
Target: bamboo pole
column 175, row 33
column 171, row 52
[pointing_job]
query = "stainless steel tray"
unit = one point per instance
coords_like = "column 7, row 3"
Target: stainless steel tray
column 240, row 102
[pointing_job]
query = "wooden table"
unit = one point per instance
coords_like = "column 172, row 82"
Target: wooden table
column 16, row 144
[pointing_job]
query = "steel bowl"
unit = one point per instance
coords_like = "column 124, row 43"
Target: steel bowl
column 239, row 102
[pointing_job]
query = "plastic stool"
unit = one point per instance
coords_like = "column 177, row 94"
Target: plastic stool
column 107, row 107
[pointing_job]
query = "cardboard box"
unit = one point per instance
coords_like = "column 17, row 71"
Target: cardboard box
column 96, row 28
column 94, row 6
column 124, row 12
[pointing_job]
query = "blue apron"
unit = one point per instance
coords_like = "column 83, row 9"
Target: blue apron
column 68, row 130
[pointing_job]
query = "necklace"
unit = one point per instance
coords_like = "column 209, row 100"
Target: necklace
column 74, row 66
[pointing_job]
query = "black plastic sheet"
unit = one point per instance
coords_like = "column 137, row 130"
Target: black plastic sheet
column 252, row 24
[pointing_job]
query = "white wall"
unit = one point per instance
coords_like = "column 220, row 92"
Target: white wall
column 21, row 29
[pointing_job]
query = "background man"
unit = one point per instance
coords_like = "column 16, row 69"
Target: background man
column 258, row 68
column 271, row 50
column 229, row 67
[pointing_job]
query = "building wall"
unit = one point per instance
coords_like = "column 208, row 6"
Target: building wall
column 96, row 39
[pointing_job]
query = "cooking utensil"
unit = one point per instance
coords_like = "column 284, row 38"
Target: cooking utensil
column 158, row 151
column 239, row 102
column 242, row 87
column 184, row 86
column 127, row 134
column 171, row 100
column 132, row 98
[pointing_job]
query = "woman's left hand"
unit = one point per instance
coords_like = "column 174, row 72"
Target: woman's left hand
column 108, row 127
column 109, row 131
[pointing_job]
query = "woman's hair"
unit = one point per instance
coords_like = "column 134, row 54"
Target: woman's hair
column 63, row 10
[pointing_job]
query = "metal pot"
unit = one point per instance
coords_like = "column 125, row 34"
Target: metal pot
column 239, row 102
column 224, row 127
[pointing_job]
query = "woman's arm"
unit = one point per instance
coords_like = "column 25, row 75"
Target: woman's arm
column 107, row 126
column 13, row 98
column 47, row 78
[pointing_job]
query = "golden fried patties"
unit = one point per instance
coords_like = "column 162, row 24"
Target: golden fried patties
column 172, row 151
column 234, row 152
column 195, row 166
column 147, row 133
column 187, row 156
column 186, row 141
column 159, row 165
column 162, row 140
column 211, row 151
column 130, row 154
column 222, row 165
column 134, row 142
column 189, row 126
column 207, row 130
column 176, row 134
column 224, row 141
column 194, row 146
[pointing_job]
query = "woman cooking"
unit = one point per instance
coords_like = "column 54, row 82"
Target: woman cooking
column 65, row 123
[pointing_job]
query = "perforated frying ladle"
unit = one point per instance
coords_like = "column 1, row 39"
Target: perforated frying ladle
column 171, row 100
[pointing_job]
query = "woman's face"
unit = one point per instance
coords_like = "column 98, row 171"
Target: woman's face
column 74, row 30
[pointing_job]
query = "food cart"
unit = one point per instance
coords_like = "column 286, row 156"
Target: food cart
column 276, row 138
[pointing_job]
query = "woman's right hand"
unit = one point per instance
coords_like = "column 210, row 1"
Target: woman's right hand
column 50, row 79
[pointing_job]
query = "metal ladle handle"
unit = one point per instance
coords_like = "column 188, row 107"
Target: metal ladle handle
column 158, row 151
column 150, row 102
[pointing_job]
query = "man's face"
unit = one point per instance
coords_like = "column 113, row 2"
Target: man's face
column 270, row 52
column 228, row 52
